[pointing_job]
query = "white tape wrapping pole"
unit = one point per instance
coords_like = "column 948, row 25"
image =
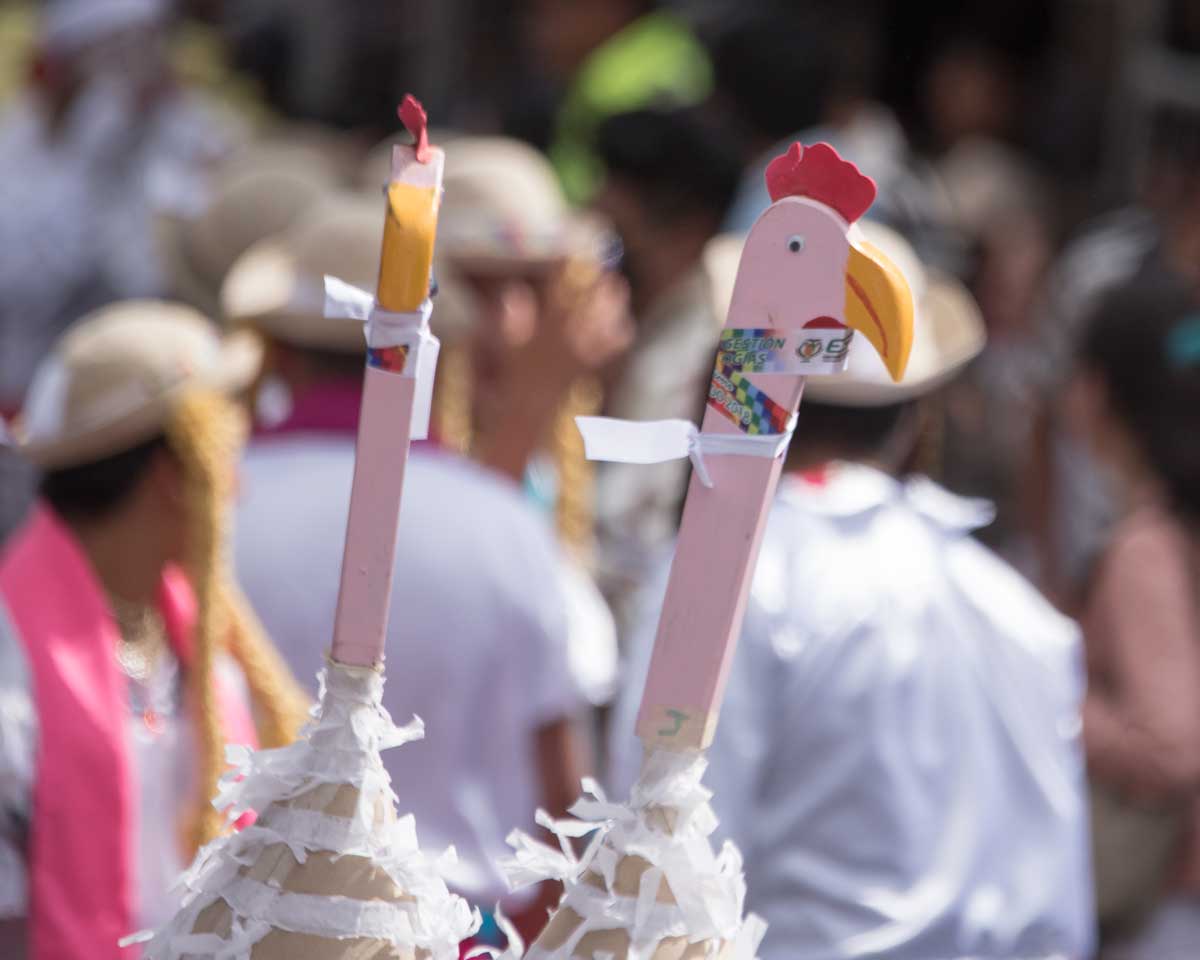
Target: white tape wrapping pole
column 657, row 441
column 384, row 329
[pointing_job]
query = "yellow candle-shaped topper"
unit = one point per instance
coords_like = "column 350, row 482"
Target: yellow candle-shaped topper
column 411, row 224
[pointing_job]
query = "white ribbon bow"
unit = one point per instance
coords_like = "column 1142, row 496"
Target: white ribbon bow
column 657, row 441
column 383, row 329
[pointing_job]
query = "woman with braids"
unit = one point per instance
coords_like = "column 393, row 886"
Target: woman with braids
column 1136, row 398
column 549, row 316
column 125, row 649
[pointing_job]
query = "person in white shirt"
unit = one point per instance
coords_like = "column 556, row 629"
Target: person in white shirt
column 479, row 628
column 84, row 146
column 899, row 753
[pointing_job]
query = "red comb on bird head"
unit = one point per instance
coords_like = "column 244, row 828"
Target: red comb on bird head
column 817, row 172
column 412, row 115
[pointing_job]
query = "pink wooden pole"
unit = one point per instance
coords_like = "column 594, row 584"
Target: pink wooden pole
column 719, row 538
column 380, row 458
column 384, row 429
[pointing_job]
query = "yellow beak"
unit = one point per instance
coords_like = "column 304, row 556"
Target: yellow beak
column 879, row 305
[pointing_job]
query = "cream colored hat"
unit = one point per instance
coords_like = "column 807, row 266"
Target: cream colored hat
column 503, row 210
column 257, row 193
column 113, row 379
column 277, row 286
column 376, row 168
column 948, row 330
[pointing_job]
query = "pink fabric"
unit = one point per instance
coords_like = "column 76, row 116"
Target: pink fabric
column 82, row 888
column 331, row 406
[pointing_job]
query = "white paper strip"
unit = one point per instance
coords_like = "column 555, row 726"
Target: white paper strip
column 384, row 329
column 657, row 441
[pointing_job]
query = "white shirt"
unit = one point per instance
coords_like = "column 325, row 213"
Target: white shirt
column 899, row 752
column 477, row 643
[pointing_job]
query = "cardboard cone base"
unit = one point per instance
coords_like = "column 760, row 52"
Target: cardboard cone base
column 649, row 886
column 328, row 871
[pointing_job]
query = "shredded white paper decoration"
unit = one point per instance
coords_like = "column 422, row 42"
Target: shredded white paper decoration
column 649, row 876
column 249, row 894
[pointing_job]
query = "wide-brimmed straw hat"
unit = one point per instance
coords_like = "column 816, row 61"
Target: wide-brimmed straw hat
column 258, row 192
column 277, row 286
column 948, row 328
column 113, row 379
column 503, row 211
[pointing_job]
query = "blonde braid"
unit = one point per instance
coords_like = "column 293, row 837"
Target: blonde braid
column 280, row 704
column 452, row 423
column 206, row 433
column 576, row 474
column 200, row 436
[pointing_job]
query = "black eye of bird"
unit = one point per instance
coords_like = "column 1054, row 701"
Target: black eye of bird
column 795, row 243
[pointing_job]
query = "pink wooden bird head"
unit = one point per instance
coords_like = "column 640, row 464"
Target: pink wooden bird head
column 803, row 266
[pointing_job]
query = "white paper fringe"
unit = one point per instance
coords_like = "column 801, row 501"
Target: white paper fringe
column 709, row 888
column 340, row 745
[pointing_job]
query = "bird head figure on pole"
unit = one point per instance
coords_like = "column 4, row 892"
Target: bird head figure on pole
column 649, row 885
column 805, row 267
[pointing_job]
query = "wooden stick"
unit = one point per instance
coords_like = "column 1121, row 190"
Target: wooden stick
column 384, row 429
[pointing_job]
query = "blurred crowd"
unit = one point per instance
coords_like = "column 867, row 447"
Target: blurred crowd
column 176, row 179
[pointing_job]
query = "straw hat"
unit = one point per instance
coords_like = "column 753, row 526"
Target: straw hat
column 503, row 210
column 948, row 327
column 277, row 286
column 376, row 168
column 114, row 378
column 257, row 193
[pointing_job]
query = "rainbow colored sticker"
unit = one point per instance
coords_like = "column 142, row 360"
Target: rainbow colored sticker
column 391, row 359
column 733, row 396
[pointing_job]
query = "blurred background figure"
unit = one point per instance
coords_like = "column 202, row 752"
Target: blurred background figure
column 607, row 57
column 480, row 631
column 127, row 653
column 99, row 121
column 996, row 206
column 544, row 294
column 891, row 666
column 1135, row 400
column 668, row 180
column 549, row 317
column 256, row 192
column 1158, row 233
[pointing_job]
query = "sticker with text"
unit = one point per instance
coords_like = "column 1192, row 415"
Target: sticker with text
column 769, row 350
